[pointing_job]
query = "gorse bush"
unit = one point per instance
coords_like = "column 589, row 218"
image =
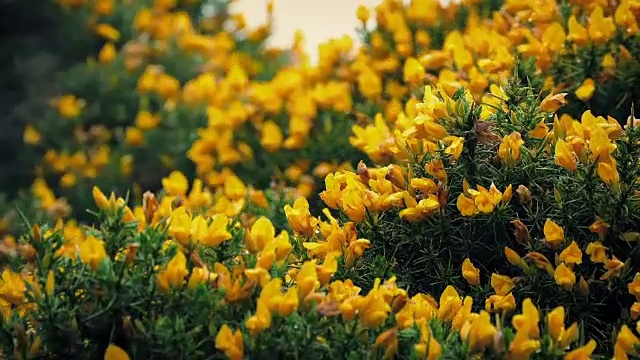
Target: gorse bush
column 481, row 192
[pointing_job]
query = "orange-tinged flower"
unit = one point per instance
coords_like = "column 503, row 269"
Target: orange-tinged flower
column 614, row 268
column 553, row 102
column 565, row 277
column 578, row 34
column 12, row 287
column 599, row 227
column 626, row 343
column 115, row 353
column 540, row 131
column 634, row 286
column 108, row 32
column 571, row 254
column 582, row 353
column 230, row 342
column 470, row 273
column 597, row 252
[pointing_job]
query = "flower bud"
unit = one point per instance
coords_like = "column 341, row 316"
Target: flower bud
column 36, row 233
column 521, row 232
column 524, row 195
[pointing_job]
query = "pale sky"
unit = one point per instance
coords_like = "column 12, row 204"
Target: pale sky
column 320, row 20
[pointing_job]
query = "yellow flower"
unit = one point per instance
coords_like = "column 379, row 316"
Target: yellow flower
column 50, row 284
column 92, row 251
column 561, row 336
column 107, row 53
column 599, row 227
column 500, row 303
column 635, row 311
column 328, row 268
column 428, row 348
column 578, row 34
column 626, row 343
column 299, row 217
column 540, row 131
column 564, row 277
column 146, row 121
column 522, row 346
column 553, row 233
column 262, row 232
column 180, row 225
column 69, row 106
column 515, row 259
column 108, row 32
column 230, row 343
column 480, row 332
column 608, row 173
column 307, row 279
column 600, row 28
column 509, row 150
column 353, row 204
column 564, row 156
column 586, row 90
column 634, row 286
column 571, row 254
column 176, row 184
column 413, row 72
column 355, row 250
column 455, row 147
column 614, row 268
column 501, row 284
column 450, row 304
column 12, row 287
column 115, row 353
column 582, row 353
column 597, row 252
column 553, row 102
column 271, row 136
column 174, row 274
column 470, row 273
column 212, row 234
column 466, row 206
column 31, row 135
column 363, row 14
column 528, row 320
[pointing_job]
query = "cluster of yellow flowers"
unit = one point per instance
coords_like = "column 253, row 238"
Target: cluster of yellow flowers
column 311, row 283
